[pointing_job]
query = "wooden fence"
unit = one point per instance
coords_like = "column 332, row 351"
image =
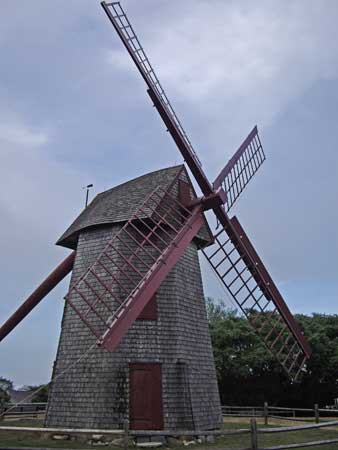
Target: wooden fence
column 266, row 412
column 34, row 410
column 24, row 411
column 255, row 432
column 314, row 414
column 125, row 434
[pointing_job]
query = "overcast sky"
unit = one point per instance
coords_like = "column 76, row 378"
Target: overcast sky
column 74, row 110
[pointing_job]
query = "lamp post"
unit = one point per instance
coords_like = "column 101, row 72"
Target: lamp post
column 87, row 192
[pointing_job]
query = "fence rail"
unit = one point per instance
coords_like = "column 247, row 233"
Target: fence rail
column 23, row 410
column 274, row 412
column 280, row 412
column 254, row 432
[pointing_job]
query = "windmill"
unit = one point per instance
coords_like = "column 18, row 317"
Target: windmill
column 136, row 288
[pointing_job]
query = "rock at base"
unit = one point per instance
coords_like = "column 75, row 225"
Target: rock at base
column 149, row 444
column 60, row 437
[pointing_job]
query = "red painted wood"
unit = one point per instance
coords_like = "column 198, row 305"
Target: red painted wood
column 230, row 164
column 263, row 278
column 162, row 104
column 145, row 398
column 39, row 294
column 113, row 336
column 149, row 312
column 184, row 192
column 188, row 157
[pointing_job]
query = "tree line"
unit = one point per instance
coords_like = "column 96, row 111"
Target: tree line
column 6, row 386
column 249, row 375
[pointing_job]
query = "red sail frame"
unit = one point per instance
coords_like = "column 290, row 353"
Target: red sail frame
column 114, row 290
column 133, row 46
column 234, row 176
column 241, row 168
column 243, row 274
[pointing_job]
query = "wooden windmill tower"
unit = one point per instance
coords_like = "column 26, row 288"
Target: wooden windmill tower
column 136, row 296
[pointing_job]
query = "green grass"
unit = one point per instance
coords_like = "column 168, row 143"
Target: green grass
column 266, row 440
column 12, row 439
column 31, row 423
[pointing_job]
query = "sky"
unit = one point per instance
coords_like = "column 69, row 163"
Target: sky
column 74, row 111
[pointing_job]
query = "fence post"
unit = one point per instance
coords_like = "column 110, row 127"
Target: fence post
column 266, row 413
column 125, row 435
column 316, row 408
column 2, row 408
column 253, row 429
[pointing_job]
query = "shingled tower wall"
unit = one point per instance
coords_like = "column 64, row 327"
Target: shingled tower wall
column 95, row 393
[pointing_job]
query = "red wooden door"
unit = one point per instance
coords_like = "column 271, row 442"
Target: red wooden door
column 145, row 394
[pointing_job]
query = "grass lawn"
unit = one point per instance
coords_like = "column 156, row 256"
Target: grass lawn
column 266, row 440
column 17, row 440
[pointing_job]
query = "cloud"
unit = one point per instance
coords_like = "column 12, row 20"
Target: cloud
column 39, row 197
column 236, row 63
column 74, row 111
column 31, row 178
column 19, row 134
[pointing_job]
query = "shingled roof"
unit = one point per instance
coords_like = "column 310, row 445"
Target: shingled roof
column 117, row 204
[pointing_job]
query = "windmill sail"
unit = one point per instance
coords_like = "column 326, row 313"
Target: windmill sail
column 131, row 42
column 237, row 265
column 53, row 279
column 242, row 165
column 279, row 330
column 126, row 33
column 241, row 168
column 114, row 290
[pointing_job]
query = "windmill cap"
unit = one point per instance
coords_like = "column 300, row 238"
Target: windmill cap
column 117, row 204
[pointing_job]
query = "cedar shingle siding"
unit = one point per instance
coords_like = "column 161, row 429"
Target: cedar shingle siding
column 117, row 204
column 95, row 393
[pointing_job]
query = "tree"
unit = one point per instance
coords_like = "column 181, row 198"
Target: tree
column 5, row 386
column 321, row 378
column 248, row 374
column 41, row 396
